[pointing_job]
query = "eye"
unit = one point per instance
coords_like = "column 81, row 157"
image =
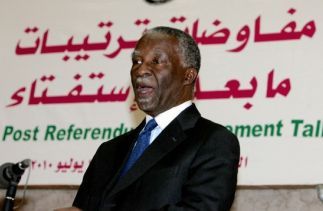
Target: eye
column 156, row 61
column 159, row 59
column 136, row 61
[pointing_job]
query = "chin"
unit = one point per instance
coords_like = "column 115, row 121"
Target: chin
column 147, row 107
column 144, row 102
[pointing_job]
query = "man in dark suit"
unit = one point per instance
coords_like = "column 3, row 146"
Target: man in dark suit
column 189, row 163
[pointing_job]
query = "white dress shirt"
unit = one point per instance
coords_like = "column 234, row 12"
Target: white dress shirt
column 163, row 119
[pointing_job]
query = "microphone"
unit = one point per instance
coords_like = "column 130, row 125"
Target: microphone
column 10, row 172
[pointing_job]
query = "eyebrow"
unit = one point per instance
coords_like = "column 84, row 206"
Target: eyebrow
column 157, row 52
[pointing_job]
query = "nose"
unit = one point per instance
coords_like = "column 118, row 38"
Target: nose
column 141, row 70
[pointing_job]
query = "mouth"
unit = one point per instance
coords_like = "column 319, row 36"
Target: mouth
column 144, row 90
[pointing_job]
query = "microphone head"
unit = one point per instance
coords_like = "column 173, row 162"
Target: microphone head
column 19, row 168
column 25, row 163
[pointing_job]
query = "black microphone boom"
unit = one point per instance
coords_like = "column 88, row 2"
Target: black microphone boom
column 10, row 172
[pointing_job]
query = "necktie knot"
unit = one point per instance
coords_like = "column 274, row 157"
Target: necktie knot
column 151, row 124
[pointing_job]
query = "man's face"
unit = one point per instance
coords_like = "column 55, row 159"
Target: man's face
column 157, row 74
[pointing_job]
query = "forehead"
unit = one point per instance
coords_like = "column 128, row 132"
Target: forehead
column 155, row 43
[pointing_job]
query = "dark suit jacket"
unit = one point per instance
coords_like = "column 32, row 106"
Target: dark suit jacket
column 191, row 165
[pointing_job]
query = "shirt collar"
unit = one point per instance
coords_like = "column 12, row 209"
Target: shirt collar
column 163, row 119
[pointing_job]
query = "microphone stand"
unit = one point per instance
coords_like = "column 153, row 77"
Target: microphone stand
column 11, row 193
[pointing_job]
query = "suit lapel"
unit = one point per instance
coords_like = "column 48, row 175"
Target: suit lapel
column 167, row 140
column 126, row 145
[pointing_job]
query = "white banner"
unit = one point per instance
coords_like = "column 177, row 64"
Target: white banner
column 65, row 82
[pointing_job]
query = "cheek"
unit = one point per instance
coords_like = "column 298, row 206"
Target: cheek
column 164, row 87
column 171, row 84
column 165, row 80
column 132, row 75
column 167, row 92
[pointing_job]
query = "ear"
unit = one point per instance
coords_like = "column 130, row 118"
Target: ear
column 190, row 76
